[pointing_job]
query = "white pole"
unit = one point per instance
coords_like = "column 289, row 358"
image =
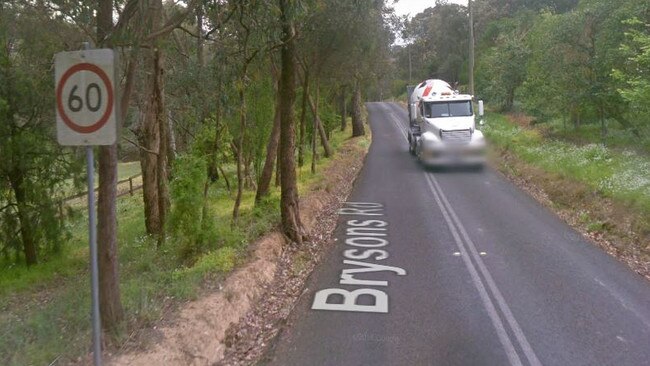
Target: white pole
column 471, row 47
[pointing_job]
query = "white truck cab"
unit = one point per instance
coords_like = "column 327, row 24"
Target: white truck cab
column 443, row 126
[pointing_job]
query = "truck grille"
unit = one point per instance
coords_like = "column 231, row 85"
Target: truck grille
column 456, row 137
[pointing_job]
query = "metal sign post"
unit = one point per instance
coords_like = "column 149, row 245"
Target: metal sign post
column 94, row 265
column 86, row 116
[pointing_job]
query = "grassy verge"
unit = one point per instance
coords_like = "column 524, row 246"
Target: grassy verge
column 45, row 309
column 606, row 189
column 616, row 137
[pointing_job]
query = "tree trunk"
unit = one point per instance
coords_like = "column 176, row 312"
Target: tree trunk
column 249, row 182
column 171, row 150
column 149, row 138
column 318, row 124
column 110, row 304
column 213, row 167
column 603, row 125
column 303, row 122
column 357, row 118
column 289, row 206
column 153, row 135
column 278, row 172
column 161, row 119
column 17, row 182
column 240, row 149
column 271, row 155
column 575, row 117
column 200, row 58
column 344, row 112
column 225, row 179
column 314, row 146
column 510, row 100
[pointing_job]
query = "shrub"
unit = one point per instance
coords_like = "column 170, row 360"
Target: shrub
column 189, row 220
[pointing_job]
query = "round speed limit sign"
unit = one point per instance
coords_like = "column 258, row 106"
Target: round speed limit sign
column 85, row 97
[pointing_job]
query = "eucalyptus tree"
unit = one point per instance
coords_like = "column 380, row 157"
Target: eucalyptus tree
column 441, row 42
column 34, row 169
column 631, row 74
column 572, row 58
column 289, row 206
column 504, row 55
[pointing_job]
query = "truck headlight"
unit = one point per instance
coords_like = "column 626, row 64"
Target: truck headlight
column 478, row 138
column 429, row 138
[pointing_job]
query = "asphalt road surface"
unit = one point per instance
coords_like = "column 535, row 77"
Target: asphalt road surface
column 459, row 268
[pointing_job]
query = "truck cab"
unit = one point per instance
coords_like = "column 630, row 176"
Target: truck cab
column 443, row 126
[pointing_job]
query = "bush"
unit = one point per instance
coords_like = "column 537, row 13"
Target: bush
column 189, row 219
column 222, row 260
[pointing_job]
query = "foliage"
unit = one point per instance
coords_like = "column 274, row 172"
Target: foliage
column 45, row 307
column 206, row 72
column 34, row 169
column 632, row 74
column 581, row 61
column 501, row 68
column 439, row 42
column 192, row 230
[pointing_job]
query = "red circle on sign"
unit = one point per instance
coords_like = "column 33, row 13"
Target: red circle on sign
column 59, row 98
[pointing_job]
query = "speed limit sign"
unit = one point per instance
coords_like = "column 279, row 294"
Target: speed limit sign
column 86, row 102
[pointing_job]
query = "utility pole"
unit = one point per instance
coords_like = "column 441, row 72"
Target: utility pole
column 408, row 46
column 471, row 47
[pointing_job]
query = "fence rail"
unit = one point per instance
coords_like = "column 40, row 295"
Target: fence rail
column 120, row 193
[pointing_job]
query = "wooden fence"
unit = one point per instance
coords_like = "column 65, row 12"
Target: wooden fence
column 120, row 192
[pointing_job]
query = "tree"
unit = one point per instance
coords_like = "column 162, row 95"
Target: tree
column 264, row 184
column 289, row 207
column 152, row 130
column 357, row 117
column 502, row 65
column 110, row 303
column 33, row 168
column 441, row 42
column 632, row 74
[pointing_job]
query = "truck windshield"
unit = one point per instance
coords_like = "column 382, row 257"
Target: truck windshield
column 448, row 109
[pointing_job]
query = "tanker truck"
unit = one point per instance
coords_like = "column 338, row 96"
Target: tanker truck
column 442, row 126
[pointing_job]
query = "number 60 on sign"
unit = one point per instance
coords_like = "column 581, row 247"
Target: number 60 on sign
column 86, row 97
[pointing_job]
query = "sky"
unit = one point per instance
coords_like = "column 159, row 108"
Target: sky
column 413, row 7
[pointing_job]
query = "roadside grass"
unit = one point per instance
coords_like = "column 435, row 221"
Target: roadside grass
column 620, row 174
column 129, row 169
column 616, row 138
column 45, row 310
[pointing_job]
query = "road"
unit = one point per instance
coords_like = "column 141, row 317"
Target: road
column 461, row 268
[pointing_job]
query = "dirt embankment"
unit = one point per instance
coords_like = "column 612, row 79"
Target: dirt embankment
column 267, row 284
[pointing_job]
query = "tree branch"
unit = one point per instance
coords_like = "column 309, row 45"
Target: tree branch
column 140, row 146
column 7, row 206
column 173, row 23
